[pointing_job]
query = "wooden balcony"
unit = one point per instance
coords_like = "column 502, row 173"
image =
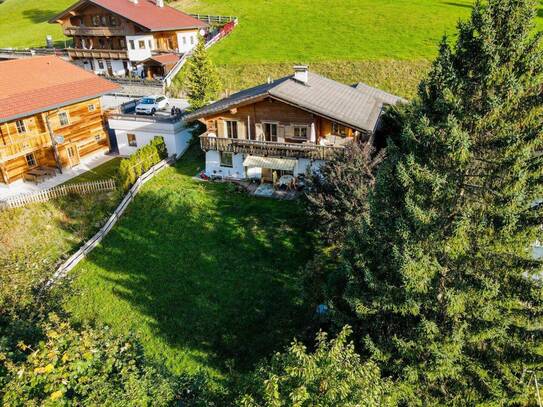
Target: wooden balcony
column 95, row 31
column 24, row 146
column 98, row 53
column 269, row 149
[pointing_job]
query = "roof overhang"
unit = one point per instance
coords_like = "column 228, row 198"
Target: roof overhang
column 284, row 164
column 50, row 107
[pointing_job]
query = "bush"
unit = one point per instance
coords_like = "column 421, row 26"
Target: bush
column 90, row 366
column 141, row 161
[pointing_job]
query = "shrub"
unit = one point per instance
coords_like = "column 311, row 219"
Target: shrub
column 90, row 366
column 141, row 161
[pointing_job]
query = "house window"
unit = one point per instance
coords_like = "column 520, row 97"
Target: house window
column 132, row 46
column 231, row 129
column 270, row 131
column 339, row 130
column 31, row 160
column 98, row 137
column 92, row 108
column 100, row 64
column 192, row 40
column 103, row 19
column 150, row 44
column 300, row 132
column 96, row 20
column 113, row 21
column 141, row 44
column 21, row 128
column 63, row 118
column 226, row 159
column 132, row 140
column 122, row 43
column 184, row 40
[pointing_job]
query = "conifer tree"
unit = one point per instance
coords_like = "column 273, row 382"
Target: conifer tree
column 202, row 81
column 439, row 282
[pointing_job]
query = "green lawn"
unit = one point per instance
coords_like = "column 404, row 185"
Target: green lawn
column 109, row 169
column 208, row 278
column 24, row 22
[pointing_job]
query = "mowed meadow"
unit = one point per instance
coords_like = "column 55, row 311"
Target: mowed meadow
column 385, row 43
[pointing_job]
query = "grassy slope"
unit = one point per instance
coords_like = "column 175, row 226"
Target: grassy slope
column 34, row 238
column 24, row 22
column 207, row 277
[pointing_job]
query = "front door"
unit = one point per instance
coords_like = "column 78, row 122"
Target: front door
column 73, row 155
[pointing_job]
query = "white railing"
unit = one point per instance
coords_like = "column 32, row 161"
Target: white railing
column 57, row 192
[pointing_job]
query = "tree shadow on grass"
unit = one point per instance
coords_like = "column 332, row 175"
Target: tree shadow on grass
column 209, row 270
column 37, row 15
column 456, row 4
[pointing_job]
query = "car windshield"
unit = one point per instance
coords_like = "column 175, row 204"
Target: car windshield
column 147, row 101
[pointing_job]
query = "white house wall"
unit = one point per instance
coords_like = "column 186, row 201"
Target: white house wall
column 138, row 54
column 176, row 136
column 187, row 40
column 213, row 166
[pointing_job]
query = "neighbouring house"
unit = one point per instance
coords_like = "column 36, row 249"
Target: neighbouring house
column 133, row 131
column 287, row 126
column 50, row 116
column 115, row 37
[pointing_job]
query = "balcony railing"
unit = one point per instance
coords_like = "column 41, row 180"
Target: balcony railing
column 98, row 53
column 24, row 146
column 95, row 31
column 268, row 148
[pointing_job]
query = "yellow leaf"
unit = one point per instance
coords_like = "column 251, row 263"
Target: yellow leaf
column 65, row 357
column 49, row 368
column 56, row 395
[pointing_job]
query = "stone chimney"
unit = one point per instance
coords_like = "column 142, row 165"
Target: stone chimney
column 301, row 73
column 160, row 3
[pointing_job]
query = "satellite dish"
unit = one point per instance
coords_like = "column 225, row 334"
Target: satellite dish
column 202, row 32
column 59, row 139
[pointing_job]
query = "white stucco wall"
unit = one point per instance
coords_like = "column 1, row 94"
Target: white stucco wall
column 187, row 40
column 176, row 136
column 138, row 54
column 213, row 166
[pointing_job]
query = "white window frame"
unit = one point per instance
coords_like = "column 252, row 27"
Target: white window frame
column 299, row 127
column 92, row 107
column 35, row 162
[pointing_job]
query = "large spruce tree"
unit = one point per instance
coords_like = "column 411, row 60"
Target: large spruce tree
column 439, row 282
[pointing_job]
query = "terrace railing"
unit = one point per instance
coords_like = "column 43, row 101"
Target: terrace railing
column 269, row 148
column 24, row 146
column 210, row 19
column 98, row 31
column 97, row 53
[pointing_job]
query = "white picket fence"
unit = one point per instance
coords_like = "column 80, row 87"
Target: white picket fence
column 57, row 192
column 97, row 238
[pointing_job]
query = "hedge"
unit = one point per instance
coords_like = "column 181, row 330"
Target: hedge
column 141, row 161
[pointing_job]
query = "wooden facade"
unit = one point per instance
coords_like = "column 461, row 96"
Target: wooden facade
column 290, row 124
column 28, row 142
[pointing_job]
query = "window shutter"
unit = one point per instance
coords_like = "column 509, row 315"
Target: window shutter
column 259, row 132
column 281, row 134
column 289, row 131
column 220, row 128
column 241, row 130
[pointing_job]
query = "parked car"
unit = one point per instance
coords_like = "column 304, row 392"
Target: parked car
column 150, row 104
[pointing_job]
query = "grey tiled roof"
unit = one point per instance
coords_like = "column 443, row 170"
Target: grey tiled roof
column 358, row 107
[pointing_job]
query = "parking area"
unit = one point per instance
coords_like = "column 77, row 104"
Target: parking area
column 114, row 101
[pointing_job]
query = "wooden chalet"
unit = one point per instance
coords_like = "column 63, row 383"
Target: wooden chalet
column 288, row 126
column 50, row 118
column 114, row 37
